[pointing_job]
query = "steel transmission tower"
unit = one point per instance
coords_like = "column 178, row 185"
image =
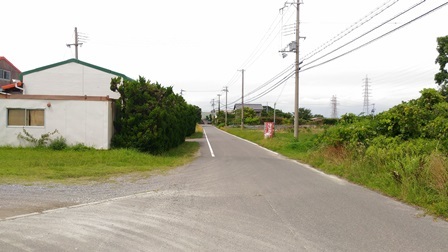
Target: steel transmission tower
column 366, row 93
column 334, row 107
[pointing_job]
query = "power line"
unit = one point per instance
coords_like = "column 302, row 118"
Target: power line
column 364, row 34
column 271, row 80
column 375, row 39
column 350, row 29
column 276, row 85
column 277, row 76
column 256, row 54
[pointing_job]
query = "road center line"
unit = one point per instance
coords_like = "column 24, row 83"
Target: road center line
column 209, row 146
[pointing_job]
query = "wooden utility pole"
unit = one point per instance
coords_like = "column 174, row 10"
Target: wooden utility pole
column 242, row 99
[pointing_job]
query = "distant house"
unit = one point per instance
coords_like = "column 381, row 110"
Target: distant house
column 258, row 108
column 8, row 73
column 71, row 96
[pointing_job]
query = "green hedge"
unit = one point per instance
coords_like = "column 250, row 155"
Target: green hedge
column 151, row 118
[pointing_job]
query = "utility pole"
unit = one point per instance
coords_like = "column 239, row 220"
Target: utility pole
column 226, row 89
column 182, row 92
column 294, row 47
column 242, row 99
column 76, row 44
column 296, row 94
column 275, row 104
column 213, row 110
column 366, row 96
column 219, row 103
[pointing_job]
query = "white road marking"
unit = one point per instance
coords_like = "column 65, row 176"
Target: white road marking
column 209, row 146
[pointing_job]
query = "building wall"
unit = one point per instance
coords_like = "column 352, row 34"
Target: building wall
column 69, row 79
column 79, row 121
column 14, row 73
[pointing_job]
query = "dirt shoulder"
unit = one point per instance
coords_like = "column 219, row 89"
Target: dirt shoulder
column 19, row 199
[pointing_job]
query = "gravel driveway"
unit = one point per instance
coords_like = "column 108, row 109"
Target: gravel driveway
column 19, row 199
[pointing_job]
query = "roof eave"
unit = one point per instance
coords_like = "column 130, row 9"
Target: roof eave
column 73, row 61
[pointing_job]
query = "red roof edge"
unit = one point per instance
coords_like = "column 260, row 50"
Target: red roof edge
column 5, row 59
column 12, row 85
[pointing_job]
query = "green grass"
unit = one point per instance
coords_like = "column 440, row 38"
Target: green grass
column 423, row 179
column 283, row 142
column 28, row 165
column 198, row 134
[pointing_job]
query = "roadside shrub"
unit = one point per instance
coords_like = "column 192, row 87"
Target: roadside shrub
column 252, row 120
column 330, row 121
column 151, row 118
column 59, row 143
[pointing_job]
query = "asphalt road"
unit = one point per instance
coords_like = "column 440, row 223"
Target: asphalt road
column 241, row 198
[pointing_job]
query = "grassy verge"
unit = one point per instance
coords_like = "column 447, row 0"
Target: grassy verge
column 396, row 171
column 198, row 134
column 28, row 165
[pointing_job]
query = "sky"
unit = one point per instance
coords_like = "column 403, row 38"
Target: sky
column 199, row 46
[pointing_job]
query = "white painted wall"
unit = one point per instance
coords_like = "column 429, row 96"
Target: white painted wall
column 79, row 121
column 69, row 79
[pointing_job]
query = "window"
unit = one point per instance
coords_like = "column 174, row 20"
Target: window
column 25, row 117
column 6, row 75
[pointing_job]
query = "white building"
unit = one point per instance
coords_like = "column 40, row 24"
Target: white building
column 72, row 97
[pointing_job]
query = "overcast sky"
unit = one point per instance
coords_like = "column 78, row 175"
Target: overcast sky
column 199, row 46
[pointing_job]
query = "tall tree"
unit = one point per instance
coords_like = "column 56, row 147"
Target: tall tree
column 305, row 114
column 441, row 77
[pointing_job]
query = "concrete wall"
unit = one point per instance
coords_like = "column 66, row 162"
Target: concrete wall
column 79, row 121
column 69, row 79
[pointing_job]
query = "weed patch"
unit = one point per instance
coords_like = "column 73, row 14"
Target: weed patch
column 25, row 165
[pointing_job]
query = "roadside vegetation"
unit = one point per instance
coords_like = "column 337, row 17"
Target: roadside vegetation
column 151, row 126
column 401, row 152
column 198, row 133
column 80, row 164
column 151, row 118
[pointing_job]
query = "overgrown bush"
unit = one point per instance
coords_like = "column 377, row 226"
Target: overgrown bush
column 60, row 143
column 151, row 118
column 402, row 151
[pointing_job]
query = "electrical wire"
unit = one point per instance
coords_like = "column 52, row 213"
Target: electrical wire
column 277, row 76
column 364, row 34
column 283, row 80
column 350, row 29
column 373, row 40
